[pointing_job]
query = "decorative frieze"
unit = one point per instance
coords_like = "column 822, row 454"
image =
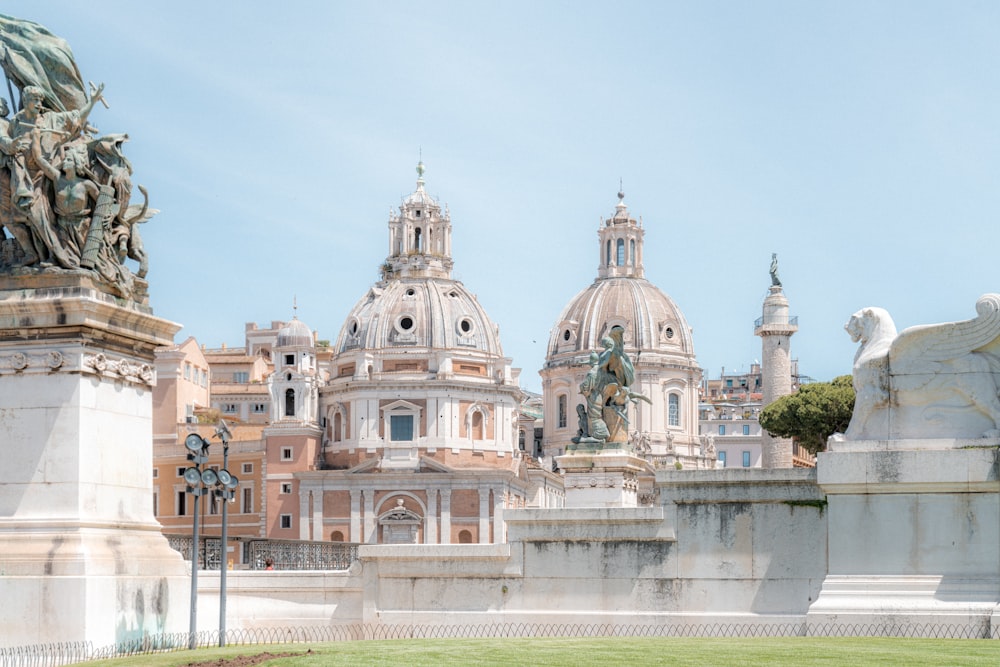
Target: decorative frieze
column 98, row 364
column 625, row 481
column 123, row 369
column 20, row 361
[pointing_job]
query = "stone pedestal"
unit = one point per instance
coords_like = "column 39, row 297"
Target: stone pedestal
column 82, row 557
column 602, row 478
column 914, row 534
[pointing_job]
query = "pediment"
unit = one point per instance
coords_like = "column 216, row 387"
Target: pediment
column 430, row 465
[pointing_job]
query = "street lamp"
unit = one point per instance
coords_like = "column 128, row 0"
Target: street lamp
column 220, row 484
column 227, row 492
column 198, row 455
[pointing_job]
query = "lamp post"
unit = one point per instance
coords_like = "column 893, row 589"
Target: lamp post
column 227, row 493
column 198, row 455
column 221, row 485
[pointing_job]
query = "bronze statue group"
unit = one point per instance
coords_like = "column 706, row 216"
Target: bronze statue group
column 65, row 191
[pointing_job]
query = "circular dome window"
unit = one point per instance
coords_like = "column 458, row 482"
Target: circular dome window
column 465, row 325
column 405, row 323
column 453, row 294
column 668, row 332
column 567, row 334
column 353, row 328
column 410, row 292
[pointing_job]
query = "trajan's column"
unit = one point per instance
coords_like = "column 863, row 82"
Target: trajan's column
column 775, row 328
column 82, row 557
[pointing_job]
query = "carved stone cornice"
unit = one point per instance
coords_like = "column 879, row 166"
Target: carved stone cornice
column 122, row 369
column 48, row 361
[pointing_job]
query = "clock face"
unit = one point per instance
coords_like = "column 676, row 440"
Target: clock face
column 194, row 442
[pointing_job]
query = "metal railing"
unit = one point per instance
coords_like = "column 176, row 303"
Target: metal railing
column 64, row 653
column 209, row 550
column 285, row 554
column 297, row 555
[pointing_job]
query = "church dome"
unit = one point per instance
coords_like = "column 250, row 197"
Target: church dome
column 295, row 334
column 656, row 338
column 621, row 295
column 418, row 379
column 418, row 306
column 419, row 313
column 652, row 321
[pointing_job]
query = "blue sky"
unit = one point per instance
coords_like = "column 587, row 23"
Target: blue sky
column 857, row 140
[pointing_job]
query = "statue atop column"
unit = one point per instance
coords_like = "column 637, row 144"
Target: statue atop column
column 606, row 389
column 775, row 280
column 65, row 189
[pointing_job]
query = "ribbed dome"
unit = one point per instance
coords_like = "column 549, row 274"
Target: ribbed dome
column 425, row 313
column 295, row 334
column 652, row 321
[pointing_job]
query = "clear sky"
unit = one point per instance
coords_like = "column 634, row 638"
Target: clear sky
column 858, row 140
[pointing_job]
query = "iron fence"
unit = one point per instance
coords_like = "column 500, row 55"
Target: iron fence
column 296, row 555
column 285, row 554
column 55, row 655
column 209, row 550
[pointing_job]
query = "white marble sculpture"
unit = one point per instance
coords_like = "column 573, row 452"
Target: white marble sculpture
column 931, row 381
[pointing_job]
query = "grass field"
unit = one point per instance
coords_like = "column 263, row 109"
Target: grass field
column 602, row 652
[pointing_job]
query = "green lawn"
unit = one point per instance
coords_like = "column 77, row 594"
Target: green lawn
column 603, row 652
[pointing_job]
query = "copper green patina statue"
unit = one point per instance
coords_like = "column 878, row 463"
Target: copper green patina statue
column 65, row 190
column 606, row 389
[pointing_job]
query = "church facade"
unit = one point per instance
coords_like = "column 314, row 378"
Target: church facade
column 410, row 426
column 407, row 429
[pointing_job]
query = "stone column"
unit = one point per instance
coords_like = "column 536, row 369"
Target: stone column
column 484, row 515
column 83, row 557
column 356, row 535
column 430, row 521
column 305, row 515
column 369, row 536
column 498, row 535
column 775, row 328
column 445, row 516
column 317, row 515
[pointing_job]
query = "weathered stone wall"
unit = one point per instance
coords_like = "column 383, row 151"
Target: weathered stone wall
column 724, row 546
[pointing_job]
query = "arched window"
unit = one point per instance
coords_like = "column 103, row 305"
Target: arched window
column 289, row 402
column 607, row 253
column 464, row 537
column 631, row 252
column 337, row 427
column 673, row 410
column 520, row 439
column 620, row 252
column 337, row 536
column 416, row 239
column 562, row 408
